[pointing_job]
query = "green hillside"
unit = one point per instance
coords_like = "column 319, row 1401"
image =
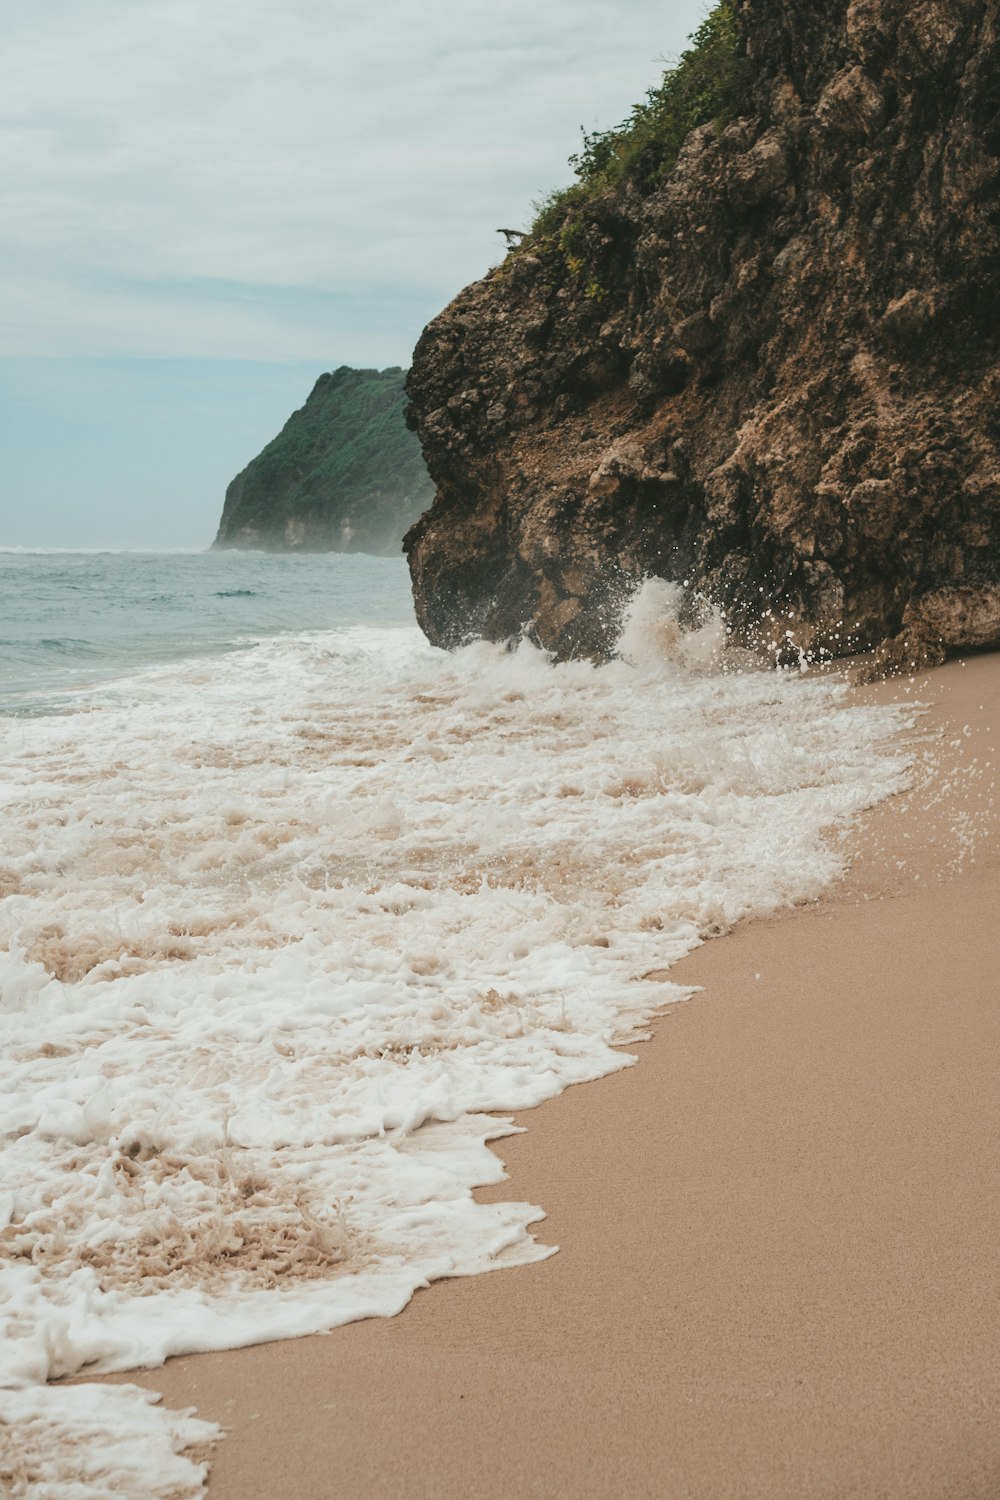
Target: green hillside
column 343, row 475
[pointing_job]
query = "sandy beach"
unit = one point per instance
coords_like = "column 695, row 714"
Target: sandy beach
column 778, row 1267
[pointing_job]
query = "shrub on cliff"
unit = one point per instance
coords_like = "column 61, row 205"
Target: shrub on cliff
column 705, row 84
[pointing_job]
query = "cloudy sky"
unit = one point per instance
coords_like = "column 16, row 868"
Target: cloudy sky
column 206, row 203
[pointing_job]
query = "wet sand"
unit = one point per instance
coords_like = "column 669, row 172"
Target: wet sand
column 779, row 1265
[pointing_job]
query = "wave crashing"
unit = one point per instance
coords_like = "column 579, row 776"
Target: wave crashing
column 289, row 934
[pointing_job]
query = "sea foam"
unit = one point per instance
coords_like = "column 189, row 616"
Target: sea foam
column 288, row 933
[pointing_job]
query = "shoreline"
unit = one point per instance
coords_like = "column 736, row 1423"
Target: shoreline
column 777, row 1273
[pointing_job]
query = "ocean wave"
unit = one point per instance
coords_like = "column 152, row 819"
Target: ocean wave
column 287, row 935
column 103, row 551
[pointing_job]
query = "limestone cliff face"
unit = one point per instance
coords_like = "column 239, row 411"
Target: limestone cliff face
column 343, row 475
column 776, row 374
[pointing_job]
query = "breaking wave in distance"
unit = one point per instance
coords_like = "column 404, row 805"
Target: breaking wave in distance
column 287, row 933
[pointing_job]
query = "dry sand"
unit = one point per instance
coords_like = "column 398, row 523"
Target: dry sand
column 779, row 1269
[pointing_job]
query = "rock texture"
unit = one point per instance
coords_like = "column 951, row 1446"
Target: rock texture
column 343, row 475
column 776, row 375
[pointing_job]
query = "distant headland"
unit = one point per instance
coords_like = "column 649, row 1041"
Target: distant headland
column 343, row 475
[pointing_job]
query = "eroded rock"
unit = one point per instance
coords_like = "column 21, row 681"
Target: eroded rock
column 776, row 374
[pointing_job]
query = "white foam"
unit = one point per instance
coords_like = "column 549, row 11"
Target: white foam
column 98, row 1443
column 281, row 928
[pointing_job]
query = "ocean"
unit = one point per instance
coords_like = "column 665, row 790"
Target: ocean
column 69, row 620
column 297, row 909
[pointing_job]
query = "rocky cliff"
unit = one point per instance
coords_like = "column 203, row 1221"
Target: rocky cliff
column 343, row 475
column 767, row 364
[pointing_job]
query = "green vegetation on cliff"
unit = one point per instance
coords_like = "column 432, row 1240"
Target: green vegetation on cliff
column 705, row 84
column 343, row 475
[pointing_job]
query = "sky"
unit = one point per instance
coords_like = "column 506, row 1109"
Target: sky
column 207, row 203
